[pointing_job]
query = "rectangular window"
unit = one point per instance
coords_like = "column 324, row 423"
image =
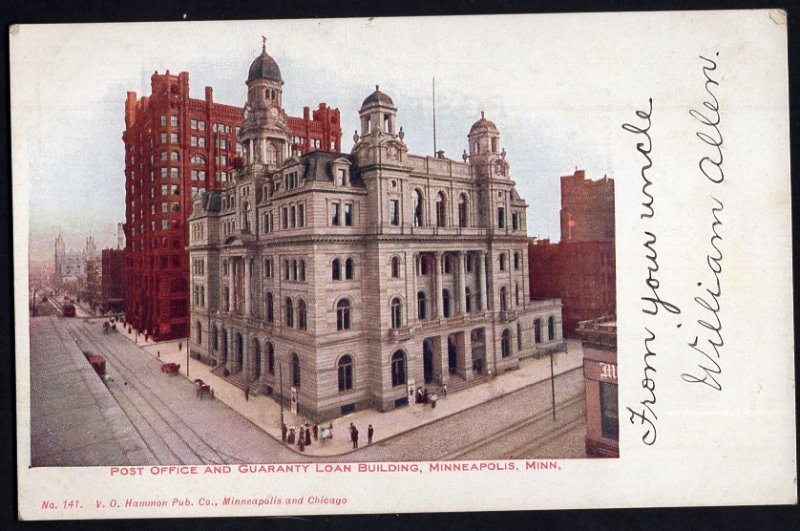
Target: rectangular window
column 201, row 142
column 164, row 224
column 173, row 138
column 193, row 141
column 173, row 121
column 335, row 214
column 268, row 268
column 163, row 138
column 340, row 177
column 201, row 125
column 515, row 220
column 348, row 214
column 194, row 123
column 164, row 206
column 293, row 216
column 176, row 207
column 163, row 119
column 175, row 189
column 501, row 217
column 164, row 189
column 163, row 173
column 301, row 215
column 194, row 175
column 285, row 215
column 174, row 173
column 609, row 419
column 394, row 212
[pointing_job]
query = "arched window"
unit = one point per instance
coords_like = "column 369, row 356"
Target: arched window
column 349, row 269
column 446, row 303
column 425, row 264
column 345, row 367
column 503, row 299
column 551, row 328
column 447, row 264
column 398, row 368
column 199, row 328
column 397, row 312
column 462, row 210
column 517, row 261
column 516, row 293
column 421, row 306
column 468, row 300
column 270, row 358
column 198, row 159
column 270, row 307
column 505, row 343
column 302, row 276
column 301, row 315
column 537, row 330
column 502, row 261
column 214, row 340
column 343, row 315
column 441, row 210
column 336, row 269
column 417, row 204
column 289, row 312
column 395, row 267
column 295, row 370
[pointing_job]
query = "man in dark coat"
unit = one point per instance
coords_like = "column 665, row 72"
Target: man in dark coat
column 316, row 431
column 284, row 429
column 308, row 435
column 353, row 434
column 370, row 432
column 355, row 437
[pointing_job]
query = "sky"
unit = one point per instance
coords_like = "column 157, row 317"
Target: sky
column 540, row 83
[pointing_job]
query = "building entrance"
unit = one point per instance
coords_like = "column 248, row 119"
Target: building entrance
column 427, row 359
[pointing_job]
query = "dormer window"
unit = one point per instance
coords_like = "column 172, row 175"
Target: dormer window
column 340, row 176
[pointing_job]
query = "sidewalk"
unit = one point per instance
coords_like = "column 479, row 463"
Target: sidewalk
column 264, row 412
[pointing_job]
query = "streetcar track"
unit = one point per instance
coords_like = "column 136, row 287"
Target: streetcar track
column 153, row 404
column 487, row 440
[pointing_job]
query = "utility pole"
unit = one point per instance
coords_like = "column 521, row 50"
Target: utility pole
column 434, row 115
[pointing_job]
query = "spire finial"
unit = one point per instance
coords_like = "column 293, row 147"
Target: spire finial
column 377, row 88
column 481, row 115
column 263, row 44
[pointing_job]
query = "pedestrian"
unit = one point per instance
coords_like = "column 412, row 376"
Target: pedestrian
column 419, row 395
column 353, row 434
column 370, row 432
column 316, row 430
column 290, row 439
column 300, row 442
column 355, row 437
column 247, row 392
column 308, row 435
column 444, row 390
column 300, row 436
column 433, row 400
column 425, row 396
column 284, row 429
column 180, row 343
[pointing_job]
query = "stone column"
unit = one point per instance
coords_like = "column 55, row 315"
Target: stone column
column 413, row 299
column 482, row 280
column 437, row 296
column 231, row 284
column 247, row 301
column 251, row 154
column 462, row 283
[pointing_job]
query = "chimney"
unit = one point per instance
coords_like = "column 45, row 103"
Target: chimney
column 209, row 95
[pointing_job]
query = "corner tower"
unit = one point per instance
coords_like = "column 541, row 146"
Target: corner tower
column 484, row 150
column 264, row 135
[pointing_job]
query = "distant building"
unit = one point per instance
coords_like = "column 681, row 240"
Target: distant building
column 72, row 264
column 580, row 269
column 94, row 281
column 587, row 208
column 599, row 339
column 114, row 281
column 177, row 147
column 358, row 277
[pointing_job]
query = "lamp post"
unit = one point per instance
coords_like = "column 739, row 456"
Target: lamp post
column 187, row 358
column 280, row 389
column 552, row 385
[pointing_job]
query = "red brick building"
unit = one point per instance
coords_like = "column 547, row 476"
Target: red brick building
column 587, row 208
column 580, row 269
column 175, row 147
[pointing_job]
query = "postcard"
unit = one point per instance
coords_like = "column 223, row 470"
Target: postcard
column 402, row 265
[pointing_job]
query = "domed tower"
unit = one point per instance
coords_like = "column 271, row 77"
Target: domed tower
column 484, row 149
column 264, row 135
column 380, row 140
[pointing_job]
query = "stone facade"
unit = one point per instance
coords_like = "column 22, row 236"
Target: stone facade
column 342, row 280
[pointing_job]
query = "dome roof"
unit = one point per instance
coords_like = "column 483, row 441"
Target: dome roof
column 483, row 126
column 379, row 98
column 264, row 67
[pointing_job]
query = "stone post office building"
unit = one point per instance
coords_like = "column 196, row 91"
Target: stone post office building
column 355, row 276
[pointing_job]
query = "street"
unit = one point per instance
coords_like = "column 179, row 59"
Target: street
column 172, row 426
